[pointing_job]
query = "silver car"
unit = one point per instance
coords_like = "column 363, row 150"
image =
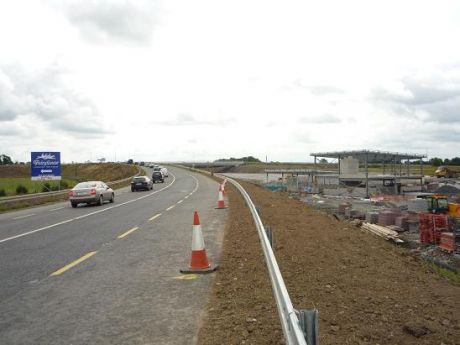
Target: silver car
column 91, row 192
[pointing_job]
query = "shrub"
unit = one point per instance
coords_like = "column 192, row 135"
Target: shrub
column 46, row 187
column 20, row 189
column 64, row 185
column 2, row 192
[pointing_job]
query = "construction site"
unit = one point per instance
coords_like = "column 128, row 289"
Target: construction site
column 387, row 193
column 372, row 245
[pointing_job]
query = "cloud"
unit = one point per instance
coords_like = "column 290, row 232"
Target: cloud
column 10, row 129
column 45, row 96
column 115, row 20
column 325, row 90
column 317, row 90
column 187, row 119
column 10, row 103
column 324, row 118
column 433, row 97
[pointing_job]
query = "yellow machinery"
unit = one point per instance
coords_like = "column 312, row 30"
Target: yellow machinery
column 437, row 203
column 448, row 172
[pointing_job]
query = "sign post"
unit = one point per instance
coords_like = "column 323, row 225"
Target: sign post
column 45, row 166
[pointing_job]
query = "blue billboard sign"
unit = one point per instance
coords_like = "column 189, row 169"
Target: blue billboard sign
column 46, row 165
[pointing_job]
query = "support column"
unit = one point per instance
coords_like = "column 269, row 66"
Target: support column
column 421, row 174
column 408, row 167
column 394, row 166
column 367, row 176
column 339, row 166
column 338, row 176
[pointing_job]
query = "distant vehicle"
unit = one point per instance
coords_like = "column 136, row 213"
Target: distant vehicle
column 141, row 164
column 157, row 176
column 91, row 192
column 448, row 172
column 151, row 166
column 141, row 183
column 164, row 171
column 156, row 168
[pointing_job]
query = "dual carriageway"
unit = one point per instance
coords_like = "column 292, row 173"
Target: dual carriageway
column 108, row 274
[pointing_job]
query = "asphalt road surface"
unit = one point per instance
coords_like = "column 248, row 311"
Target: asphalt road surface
column 109, row 274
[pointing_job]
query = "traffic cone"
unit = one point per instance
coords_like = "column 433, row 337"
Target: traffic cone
column 199, row 260
column 220, row 201
column 222, row 189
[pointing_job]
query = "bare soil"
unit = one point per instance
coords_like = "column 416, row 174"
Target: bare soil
column 367, row 290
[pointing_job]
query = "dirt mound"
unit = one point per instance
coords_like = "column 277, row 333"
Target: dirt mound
column 367, row 290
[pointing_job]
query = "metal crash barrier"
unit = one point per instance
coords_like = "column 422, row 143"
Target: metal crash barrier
column 299, row 327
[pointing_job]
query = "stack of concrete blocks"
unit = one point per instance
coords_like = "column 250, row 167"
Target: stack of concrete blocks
column 388, row 217
column 414, row 206
column 402, row 222
column 372, row 217
column 343, row 206
column 412, row 222
column 353, row 214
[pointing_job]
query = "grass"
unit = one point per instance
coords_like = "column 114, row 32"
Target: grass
column 9, row 185
column 13, row 176
column 445, row 273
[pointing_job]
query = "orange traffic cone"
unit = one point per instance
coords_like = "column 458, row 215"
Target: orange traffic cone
column 222, row 189
column 220, row 201
column 199, row 260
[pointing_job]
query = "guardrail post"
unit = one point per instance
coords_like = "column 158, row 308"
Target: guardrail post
column 269, row 232
column 309, row 324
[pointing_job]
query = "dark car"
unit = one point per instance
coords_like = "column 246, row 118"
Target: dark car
column 158, row 176
column 141, row 183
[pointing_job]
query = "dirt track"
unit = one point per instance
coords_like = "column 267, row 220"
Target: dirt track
column 367, row 290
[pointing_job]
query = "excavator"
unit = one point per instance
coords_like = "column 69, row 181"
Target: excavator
column 448, row 172
column 438, row 204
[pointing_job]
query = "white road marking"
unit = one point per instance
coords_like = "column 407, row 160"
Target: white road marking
column 170, row 207
column 82, row 216
column 34, row 231
column 56, row 209
column 154, row 217
column 25, row 216
column 180, row 201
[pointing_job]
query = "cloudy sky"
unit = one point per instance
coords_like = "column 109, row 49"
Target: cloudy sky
column 199, row 80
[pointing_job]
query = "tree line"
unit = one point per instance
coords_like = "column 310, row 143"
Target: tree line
column 5, row 160
column 439, row 161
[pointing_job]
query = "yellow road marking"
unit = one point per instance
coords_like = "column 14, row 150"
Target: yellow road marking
column 154, row 217
column 187, row 277
column 128, row 232
column 170, row 207
column 72, row 264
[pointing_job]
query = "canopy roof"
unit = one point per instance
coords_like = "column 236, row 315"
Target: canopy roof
column 372, row 156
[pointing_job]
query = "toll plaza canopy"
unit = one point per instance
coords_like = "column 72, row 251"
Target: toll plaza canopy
column 367, row 156
column 370, row 156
